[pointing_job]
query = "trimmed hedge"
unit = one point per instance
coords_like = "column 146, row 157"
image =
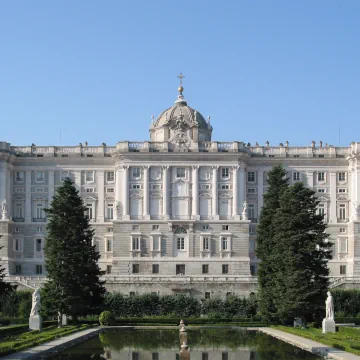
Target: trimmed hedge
column 18, row 329
column 179, row 306
column 347, row 302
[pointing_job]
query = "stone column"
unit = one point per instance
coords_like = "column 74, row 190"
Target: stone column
column 28, row 204
column 195, row 193
column 146, row 193
column 51, row 189
column 241, row 187
column 260, row 191
column 165, row 192
column 3, row 190
column 235, row 211
column 332, row 217
column 215, row 207
column 118, row 209
column 77, row 180
column 126, row 214
column 101, row 195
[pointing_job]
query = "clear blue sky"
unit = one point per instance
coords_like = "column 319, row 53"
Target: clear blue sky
column 264, row 70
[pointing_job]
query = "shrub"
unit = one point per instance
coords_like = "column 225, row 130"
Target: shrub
column 107, row 318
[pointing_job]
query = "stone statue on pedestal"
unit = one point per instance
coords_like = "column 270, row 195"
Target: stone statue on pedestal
column 244, row 213
column 4, row 210
column 328, row 324
column 35, row 321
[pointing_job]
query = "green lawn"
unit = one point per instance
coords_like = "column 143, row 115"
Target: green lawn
column 347, row 339
column 28, row 339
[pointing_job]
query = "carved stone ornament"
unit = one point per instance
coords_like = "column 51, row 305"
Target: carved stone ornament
column 156, row 174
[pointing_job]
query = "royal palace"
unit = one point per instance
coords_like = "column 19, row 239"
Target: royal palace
column 178, row 213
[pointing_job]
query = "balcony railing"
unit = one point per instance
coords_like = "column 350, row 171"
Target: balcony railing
column 181, row 217
column 346, row 220
column 17, row 219
column 254, row 220
column 39, row 219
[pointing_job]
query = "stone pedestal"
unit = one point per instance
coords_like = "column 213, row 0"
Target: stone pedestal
column 35, row 323
column 64, row 320
column 328, row 326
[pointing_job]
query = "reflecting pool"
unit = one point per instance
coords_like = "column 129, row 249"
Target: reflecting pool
column 201, row 344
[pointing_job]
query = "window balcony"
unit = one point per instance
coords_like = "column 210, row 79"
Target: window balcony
column 346, row 220
column 136, row 217
column 16, row 219
column 254, row 220
column 39, row 219
column 181, row 217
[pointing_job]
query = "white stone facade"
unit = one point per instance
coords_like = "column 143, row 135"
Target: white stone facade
column 168, row 214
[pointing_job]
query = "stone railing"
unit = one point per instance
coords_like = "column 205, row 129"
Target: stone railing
column 203, row 146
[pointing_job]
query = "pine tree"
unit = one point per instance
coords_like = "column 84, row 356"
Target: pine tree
column 5, row 287
column 74, row 287
column 300, row 256
column 277, row 182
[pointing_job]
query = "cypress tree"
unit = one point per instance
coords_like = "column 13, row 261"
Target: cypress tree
column 74, row 287
column 300, row 256
column 266, row 231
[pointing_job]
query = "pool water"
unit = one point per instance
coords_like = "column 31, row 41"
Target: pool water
column 202, row 344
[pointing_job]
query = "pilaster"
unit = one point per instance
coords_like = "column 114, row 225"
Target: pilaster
column 146, row 192
column 118, row 193
column 235, row 211
column 126, row 215
column 332, row 216
column 101, row 195
column 195, row 192
column 165, row 170
column 242, row 185
column 3, row 187
column 51, row 189
column 260, row 190
column 28, row 196
column 310, row 179
column 215, row 207
column 77, row 180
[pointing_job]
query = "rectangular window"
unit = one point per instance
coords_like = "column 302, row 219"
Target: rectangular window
column 341, row 176
column 17, row 229
column 225, row 187
column 89, row 211
column 342, row 269
column 110, row 190
column 109, row 245
column 251, row 230
column 321, row 190
column 180, row 173
column 39, row 176
column 251, row 190
column 89, row 190
column 180, row 243
column 110, row 176
column 136, row 227
column 180, row 269
column 224, row 356
column 204, row 356
column 135, row 268
column 342, row 245
column 321, row 209
column 206, row 243
column 156, row 243
column 136, row 243
column 296, row 176
column 155, row 227
column 225, row 269
column 108, row 269
column 155, row 268
column 342, row 190
column 89, row 176
column 18, row 269
column 225, row 173
column 155, row 187
column 224, row 243
column 110, row 211
column 136, row 186
column 205, row 269
column 39, row 229
column 205, row 227
column 17, row 244
column 19, row 176
column 205, row 187
column 342, row 230
column 225, row 228
column 321, row 176
column 38, row 245
column 135, row 356
column 251, row 176
column 136, row 172
column 252, row 270
column 207, row 295
column 342, row 211
column 251, row 212
column 110, row 229
column 19, row 211
column 38, row 269
column 40, row 211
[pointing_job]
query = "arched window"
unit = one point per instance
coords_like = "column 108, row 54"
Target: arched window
column 180, row 230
